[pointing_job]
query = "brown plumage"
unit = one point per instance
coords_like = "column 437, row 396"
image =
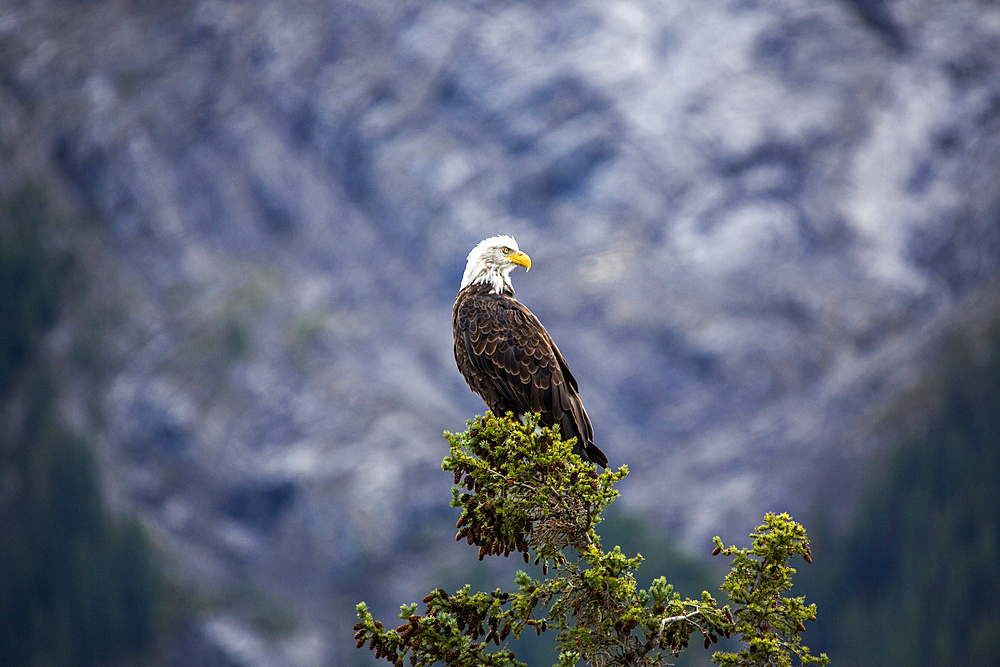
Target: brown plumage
column 507, row 356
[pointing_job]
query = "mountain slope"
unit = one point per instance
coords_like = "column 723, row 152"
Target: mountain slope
column 748, row 222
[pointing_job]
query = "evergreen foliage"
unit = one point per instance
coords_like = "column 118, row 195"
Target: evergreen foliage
column 77, row 587
column 914, row 580
column 31, row 277
column 521, row 490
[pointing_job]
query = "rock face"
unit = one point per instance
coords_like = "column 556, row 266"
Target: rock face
column 747, row 218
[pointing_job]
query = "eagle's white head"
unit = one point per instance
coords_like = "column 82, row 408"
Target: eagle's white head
column 492, row 260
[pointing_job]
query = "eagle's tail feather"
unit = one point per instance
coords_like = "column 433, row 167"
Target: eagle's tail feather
column 570, row 426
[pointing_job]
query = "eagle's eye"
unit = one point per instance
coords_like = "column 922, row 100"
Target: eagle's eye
column 505, row 250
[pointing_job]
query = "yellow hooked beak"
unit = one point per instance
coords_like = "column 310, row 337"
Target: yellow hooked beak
column 522, row 260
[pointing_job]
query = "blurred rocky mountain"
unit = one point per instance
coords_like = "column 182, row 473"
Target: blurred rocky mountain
column 748, row 220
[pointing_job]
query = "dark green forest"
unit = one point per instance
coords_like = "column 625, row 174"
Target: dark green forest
column 914, row 581
column 78, row 587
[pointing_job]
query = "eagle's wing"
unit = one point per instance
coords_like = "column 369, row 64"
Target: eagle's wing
column 561, row 404
column 512, row 351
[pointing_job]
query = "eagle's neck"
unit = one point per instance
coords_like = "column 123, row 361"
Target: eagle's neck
column 480, row 272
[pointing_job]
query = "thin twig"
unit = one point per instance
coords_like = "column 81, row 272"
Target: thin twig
column 682, row 617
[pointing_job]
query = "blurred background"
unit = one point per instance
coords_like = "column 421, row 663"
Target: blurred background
column 765, row 233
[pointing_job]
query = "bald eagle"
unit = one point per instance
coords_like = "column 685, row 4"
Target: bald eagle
column 507, row 356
